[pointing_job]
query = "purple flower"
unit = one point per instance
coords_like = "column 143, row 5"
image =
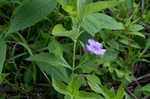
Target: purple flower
column 95, row 47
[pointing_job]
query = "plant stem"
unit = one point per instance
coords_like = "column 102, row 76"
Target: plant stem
column 74, row 55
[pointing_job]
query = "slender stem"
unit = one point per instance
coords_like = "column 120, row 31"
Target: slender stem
column 129, row 49
column 5, row 35
column 74, row 55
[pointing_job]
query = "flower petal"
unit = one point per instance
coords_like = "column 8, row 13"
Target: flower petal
column 99, row 45
column 95, row 47
column 100, row 52
column 91, row 41
column 88, row 48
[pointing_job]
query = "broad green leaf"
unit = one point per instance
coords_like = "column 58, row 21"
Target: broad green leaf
column 88, row 95
column 61, row 87
column 70, row 10
column 113, row 44
column 146, row 89
column 4, row 2
column 128, row 3
column 97, row 6
column 58, row 73
column 75, row 84
column 120, row 93
column 65, row 2
column 55, row 47
column 72, row 89
column 81, row 5
column 127, row 96
column 2, row 54
column 93, row 23
column 88, row 63
column 94, row 79
column 67, row 97
column 135, row 27
column 50, row 59
column 109, row 56
column 138, row 91
column 94, row 83
column 59, row 30
column 137, row 34
column 30, row 12
column 69, row 6
column 126, row 42
column 96, row 86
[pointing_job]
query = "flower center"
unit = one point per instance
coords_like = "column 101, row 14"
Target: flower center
column 95, row 47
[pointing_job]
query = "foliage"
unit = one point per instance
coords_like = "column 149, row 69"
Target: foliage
column 43, row 47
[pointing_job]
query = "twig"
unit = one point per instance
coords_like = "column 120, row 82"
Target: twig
column 144, row 76
column 130, row 93
column 84, row 75
column 138, row 80
column 146, row 97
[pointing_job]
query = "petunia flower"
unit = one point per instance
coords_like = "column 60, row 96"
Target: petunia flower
column 95, row 47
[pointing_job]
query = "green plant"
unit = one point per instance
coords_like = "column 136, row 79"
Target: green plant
column 48, row 39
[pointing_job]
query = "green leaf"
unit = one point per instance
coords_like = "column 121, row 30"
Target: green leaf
column 72, row 89
column 120, row 73
column 50, row 59
column 127, row 96
column 126, row 42
column 94, row 83
column 60, row 87
column 2, row 54
column 69, row 6
column 98, row 6
column 94, row 79
column 60, row 31
column 146, row 89
column 138, row 91
column 109, row 56
column 28, row 77
column 81, row 4
column 65, row 2
column 88, row 63
column 55, row 47
column 67, row 97
column 113, row 44
column 137, row 34
column 4, row 2
column 135, row 27
column 120, row 93
column 128, row 3
column 147, row 45
column 70, row 10
column 58, row 73
column 88, row 95
column 96, row 86
column 2, row 77
column 93, row 23
column 30, row 12
column 26, row 47
column 75, row 84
